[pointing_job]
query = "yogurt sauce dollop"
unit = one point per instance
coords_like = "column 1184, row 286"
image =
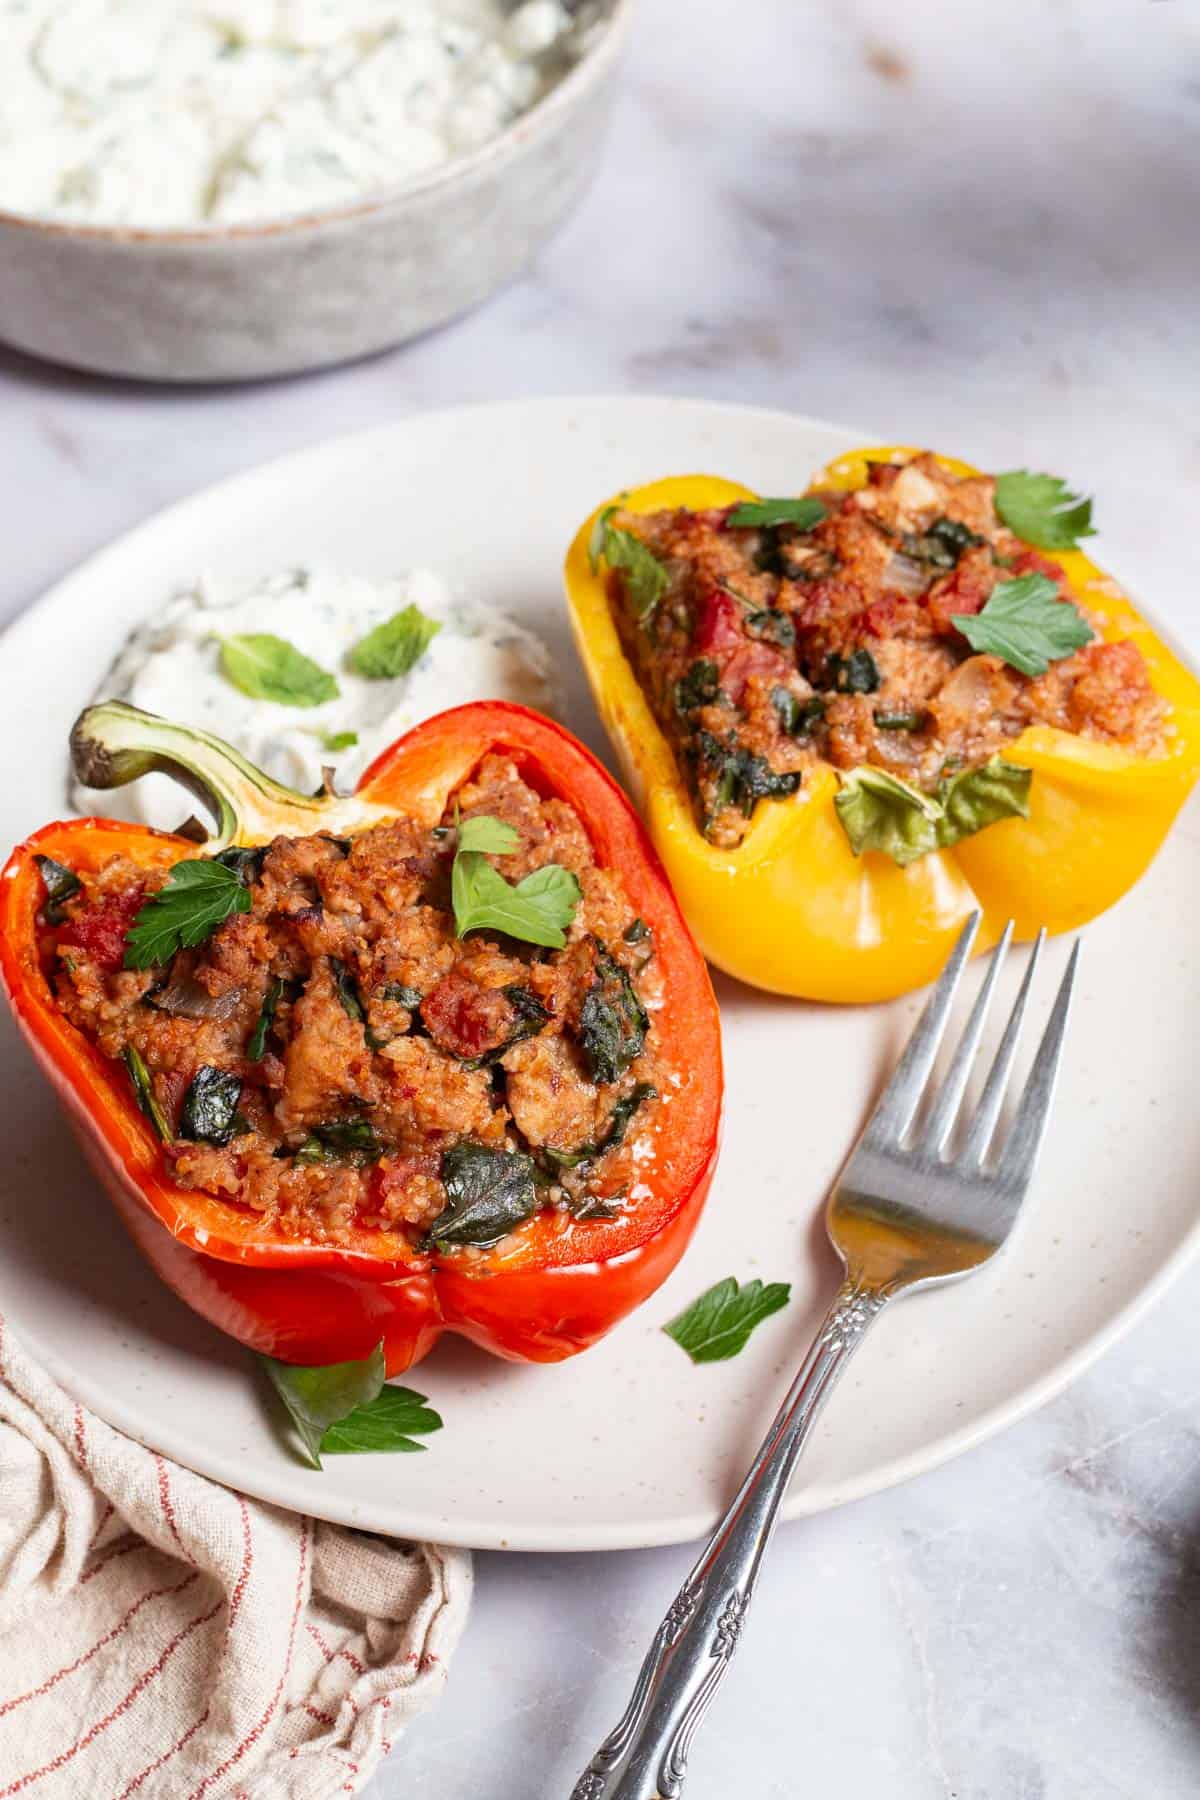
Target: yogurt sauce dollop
column 159, row 113
column 171, row 665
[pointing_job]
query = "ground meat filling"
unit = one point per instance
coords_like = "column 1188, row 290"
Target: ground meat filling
column 324, row 1058
column 774, row 648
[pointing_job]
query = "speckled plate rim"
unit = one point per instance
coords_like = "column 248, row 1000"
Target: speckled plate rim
column 284, row 1484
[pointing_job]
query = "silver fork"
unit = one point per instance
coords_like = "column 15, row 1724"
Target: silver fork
column 903, row 1215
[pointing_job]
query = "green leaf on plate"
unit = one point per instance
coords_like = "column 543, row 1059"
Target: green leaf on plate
column 1027, row 623
column 339, row 740
column 317, row 1398
column 396, row 646
column 267, row 667
column 389, row 1423
column 718, row 1324
column 1042, row 510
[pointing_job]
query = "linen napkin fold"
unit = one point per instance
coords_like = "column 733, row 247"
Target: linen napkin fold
column 163, row 1637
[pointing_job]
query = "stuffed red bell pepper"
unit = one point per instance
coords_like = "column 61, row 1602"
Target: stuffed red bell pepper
column 440, row 1055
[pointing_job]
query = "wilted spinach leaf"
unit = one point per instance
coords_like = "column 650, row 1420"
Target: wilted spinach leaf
column 62, row 884
column 143, row 1093
column 796, row 716
column 256, row 1047
column 853, row 674
column 772, row 626
column 210, row 1106
column 612, row 1021
column 742, row 778
column 489, row 1192
column 942, row 545
column 613, row 1134
column 341, row 1140
column 699, row 687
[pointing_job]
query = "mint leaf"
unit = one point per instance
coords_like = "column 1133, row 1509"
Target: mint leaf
column 645, row 577
column 879, row 812
column 718, row 1324
column 394, row 647
column 487, row 834
column 803, row 513
column 267, row 667
column 339, row 740
column 1027, row 624
column 1042, row 510
column 389, row 1423
column 317, row 1398
column 198, row 896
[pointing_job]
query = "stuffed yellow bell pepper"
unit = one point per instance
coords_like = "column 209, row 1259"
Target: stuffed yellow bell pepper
column 853, row 717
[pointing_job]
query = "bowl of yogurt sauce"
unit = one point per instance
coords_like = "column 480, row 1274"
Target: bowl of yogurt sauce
column 247, row 188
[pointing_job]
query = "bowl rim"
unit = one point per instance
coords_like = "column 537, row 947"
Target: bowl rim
column 583, row 75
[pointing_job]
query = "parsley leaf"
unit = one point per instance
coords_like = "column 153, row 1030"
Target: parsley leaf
column 1042, row 510
column 537, row 910
column 1027, row 624
column 718, row 1324
column 198, row 895
column 485, row 833
column 646, row 578
column 269, row 668
column 390, row 1422
column 396, row 646
column 803, row 513
column 345, row 1407
column 339, row 740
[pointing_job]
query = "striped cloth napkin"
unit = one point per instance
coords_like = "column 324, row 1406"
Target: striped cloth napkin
column 163, row 1637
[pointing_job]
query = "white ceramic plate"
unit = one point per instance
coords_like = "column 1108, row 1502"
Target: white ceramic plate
column 628, row 1444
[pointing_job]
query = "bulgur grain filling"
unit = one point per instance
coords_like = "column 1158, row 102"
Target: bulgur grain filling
column 764, row 648
column 336, row 1057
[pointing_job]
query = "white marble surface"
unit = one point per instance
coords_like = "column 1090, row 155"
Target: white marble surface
column 974, row 226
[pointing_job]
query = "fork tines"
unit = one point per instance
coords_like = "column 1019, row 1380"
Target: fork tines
column 910, row 1085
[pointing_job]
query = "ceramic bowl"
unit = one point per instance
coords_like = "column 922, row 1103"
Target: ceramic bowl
column 236, row 303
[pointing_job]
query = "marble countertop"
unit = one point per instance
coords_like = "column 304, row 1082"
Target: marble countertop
column 975, row 227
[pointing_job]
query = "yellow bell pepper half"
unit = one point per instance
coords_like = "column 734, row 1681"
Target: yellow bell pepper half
column 792, row 909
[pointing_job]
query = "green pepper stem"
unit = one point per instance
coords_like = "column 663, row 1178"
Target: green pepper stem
column 113, row 743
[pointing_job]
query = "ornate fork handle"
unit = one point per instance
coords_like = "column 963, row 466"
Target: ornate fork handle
column 645, row 1756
